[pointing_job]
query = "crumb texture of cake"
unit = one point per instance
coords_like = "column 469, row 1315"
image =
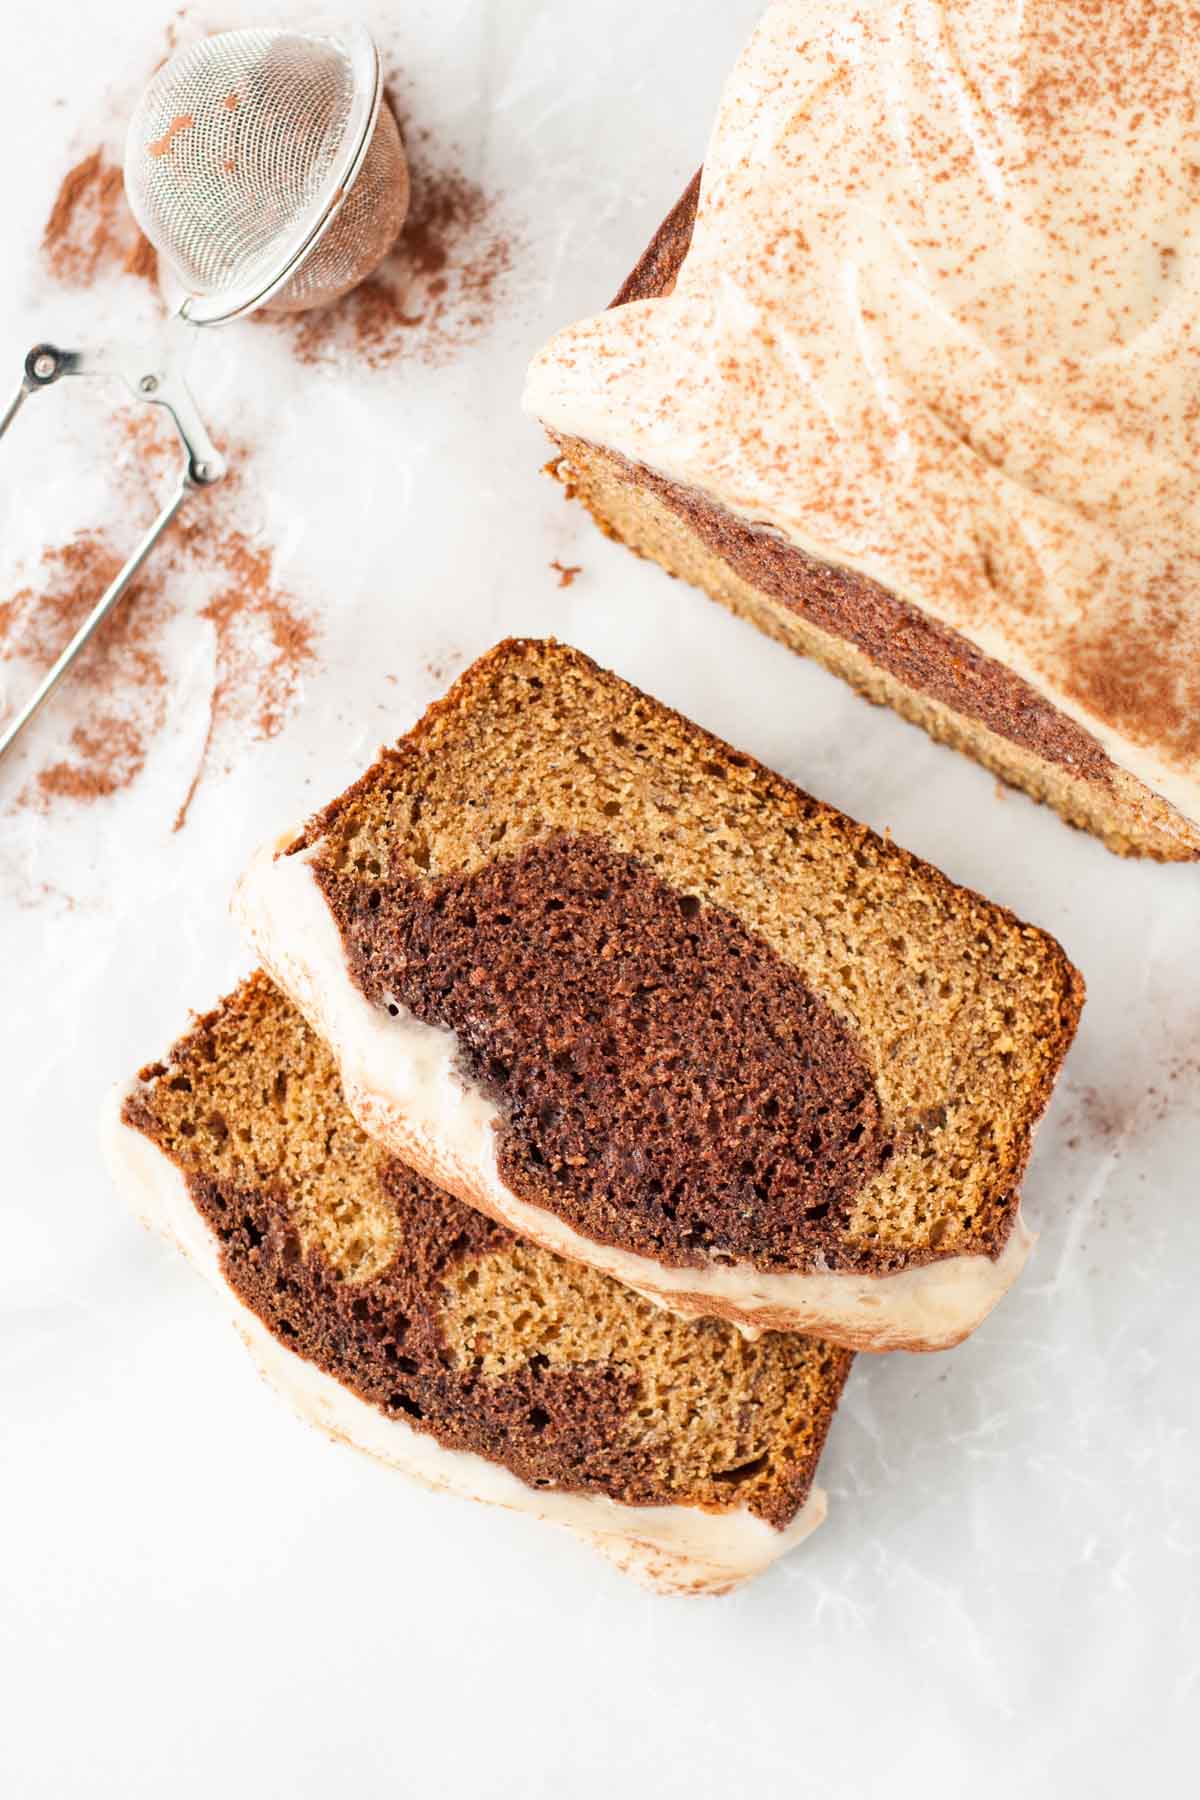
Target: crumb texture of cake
column 715, row 1029
column 446, row 1324
column 882, row 647
column 661, row 1065
column 938, row 428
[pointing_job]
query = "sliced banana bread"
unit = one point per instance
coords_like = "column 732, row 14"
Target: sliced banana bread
column 424, row 1332
column 624, row 989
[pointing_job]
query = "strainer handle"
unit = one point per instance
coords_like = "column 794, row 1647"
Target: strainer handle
column 157, row 380
column 159, row 384
column 96, row 617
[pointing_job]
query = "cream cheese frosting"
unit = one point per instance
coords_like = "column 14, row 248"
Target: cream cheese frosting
column 404, row 1083
column 672, row 1548
column 938, row 324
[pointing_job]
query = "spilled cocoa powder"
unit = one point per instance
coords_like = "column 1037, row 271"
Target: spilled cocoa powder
column 436, row 292
column 118, row 695
column 90, row 231
column 263, row 644
column 120, row 680
column 1115, row 1117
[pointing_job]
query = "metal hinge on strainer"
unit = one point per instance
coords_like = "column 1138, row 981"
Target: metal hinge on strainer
column 267, row 171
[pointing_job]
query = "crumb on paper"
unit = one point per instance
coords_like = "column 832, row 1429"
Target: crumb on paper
column 566, row 572
column 441, row 668
column 559, row 470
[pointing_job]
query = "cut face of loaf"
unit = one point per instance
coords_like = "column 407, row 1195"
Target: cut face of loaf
column 623, row 989
column 422, row 1331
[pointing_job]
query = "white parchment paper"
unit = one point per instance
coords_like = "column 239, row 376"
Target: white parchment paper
column 197, row 1594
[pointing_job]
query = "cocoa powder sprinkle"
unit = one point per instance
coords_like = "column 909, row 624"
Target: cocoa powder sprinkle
column 117, row 697
column 90, row 231
column 119, row 681
column 436, row 292
column 181, row 122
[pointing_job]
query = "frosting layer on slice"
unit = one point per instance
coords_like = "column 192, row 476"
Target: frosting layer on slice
column 404, row 1081
column 673, row 1549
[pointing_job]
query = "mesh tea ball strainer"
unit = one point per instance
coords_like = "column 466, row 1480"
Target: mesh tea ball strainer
column 267, row 171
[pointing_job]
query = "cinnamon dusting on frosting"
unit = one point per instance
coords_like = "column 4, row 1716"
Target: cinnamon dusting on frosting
column 964, row 367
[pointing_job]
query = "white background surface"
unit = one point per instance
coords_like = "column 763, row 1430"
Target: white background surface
column 200, row 1596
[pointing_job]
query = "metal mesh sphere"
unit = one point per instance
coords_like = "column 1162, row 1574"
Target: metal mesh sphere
column 240, row 148
column 365, row 229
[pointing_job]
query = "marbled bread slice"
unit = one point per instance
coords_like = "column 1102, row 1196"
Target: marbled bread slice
column 621, row 987
column 421, row 1331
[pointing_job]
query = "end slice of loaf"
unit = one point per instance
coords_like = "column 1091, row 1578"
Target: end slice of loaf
column 619, row 986
column 887, row 648
column 419, row 1330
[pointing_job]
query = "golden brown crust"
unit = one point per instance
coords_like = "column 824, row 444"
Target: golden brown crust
column 1120, row 810
column 660, row 262
column 776, row 790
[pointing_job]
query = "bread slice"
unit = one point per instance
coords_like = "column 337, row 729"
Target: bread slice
column 905, row 430
column 620, row 987
column 417, row 1329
